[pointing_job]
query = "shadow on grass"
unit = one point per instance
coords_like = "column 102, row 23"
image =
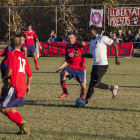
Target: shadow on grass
column 73, row 134
column 8, row 133
column 130, row 86
column 73, row 106
column 43, row 72
column 121, row 74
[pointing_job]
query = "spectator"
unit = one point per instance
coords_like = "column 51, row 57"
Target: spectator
column 137, row 39
column 115, row 39
column 121, row 37
column 110, row 35
column 129, row 37
column 52, row 37
column 66, row 37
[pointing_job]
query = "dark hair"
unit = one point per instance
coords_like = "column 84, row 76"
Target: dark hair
column 29, row 24
column 20, row 35
column 94, row 28
column 71, row 33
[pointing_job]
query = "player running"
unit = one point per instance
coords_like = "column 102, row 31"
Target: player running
column 98, row 51
column 18, row 66
column 76, row 66
column 29, row 43
column 4, row 53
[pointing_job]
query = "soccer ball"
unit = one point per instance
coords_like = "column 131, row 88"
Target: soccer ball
column 80, row 102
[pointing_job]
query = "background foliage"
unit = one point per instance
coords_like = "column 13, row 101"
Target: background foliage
column 43, row 19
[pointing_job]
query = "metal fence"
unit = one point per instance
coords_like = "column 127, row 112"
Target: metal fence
column 14, row 19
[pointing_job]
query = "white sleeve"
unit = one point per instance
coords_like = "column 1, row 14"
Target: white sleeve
column 106, row 40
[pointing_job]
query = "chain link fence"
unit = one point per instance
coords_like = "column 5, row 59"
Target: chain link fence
column 14, row 19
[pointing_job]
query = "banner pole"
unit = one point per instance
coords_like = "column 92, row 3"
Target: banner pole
column 104, row 16
column 56, row 20
column 9, row 24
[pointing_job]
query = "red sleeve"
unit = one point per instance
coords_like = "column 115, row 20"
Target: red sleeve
column 24, row 32
column 28, row 69
column 35, row 36
column 2, row 53
column 10, row 60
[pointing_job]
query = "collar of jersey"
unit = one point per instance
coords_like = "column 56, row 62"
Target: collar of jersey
column 29, row 32
column 16, row 50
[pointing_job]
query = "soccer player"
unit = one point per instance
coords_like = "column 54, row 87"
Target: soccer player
column 29, row 43
column 4, row 64
column 98, row 51
column 18, row 66
column 76, row 66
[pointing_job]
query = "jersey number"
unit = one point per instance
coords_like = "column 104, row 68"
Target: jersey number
column 22, row 65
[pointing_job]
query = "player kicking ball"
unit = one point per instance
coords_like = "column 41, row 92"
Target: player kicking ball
column 98, row 51
column 18, row 66
column 76, row 66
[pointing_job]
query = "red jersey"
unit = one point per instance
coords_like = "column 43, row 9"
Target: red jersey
column 75, row 62
column 5, row 53
column 19, row 65
column 30, row 36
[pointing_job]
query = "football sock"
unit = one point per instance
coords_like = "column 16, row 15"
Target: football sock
column 104, row 86
column 13, row 118
column 20, row 119
column 3, row 91
column 64, row 86
column 82, row 95
column 36, row 63
column 89, row 93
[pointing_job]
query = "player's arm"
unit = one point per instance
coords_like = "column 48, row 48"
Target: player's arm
column 29, row 76
column 82, row 43
column 117, row 61
column 76, row 53
column 62, row 66
column 29, row 79
column 7, row 76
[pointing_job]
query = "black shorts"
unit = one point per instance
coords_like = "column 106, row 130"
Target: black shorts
column 98, row 72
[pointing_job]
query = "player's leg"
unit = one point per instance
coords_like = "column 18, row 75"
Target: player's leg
column 81, row 78
column 101, row 72
column 83, row 90
column 8, row 107
column 35, row 60
column 63, row 75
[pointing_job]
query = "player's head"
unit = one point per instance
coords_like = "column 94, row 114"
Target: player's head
column 16, row 43
column 71, row 37
column 92, row 30
column 22, row 37
column 29, row 26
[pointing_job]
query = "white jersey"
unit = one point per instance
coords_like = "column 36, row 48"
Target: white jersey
column 98, row 48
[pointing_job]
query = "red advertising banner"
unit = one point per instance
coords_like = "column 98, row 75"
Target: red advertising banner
column 58, row 49
column 129, row 16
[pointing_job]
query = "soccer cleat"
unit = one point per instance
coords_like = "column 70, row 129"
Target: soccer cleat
column 114, row 91
column 86, row 103
column 37, row 68
column 24, row 128
column 64, row 95
column 20, row 132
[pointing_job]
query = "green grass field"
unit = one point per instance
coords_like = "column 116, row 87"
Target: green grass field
column 51, row 118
